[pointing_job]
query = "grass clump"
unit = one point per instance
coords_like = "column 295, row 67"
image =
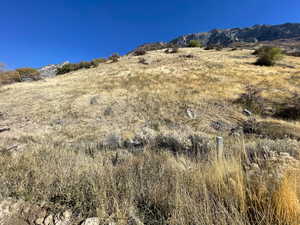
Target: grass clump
column 268, row 56
column 194, row 44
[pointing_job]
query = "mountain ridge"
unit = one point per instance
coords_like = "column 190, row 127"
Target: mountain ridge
column 287, row 33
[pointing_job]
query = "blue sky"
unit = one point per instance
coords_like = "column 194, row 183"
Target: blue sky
column 40, row 32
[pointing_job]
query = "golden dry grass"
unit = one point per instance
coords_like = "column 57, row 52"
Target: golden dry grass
column 137, row 94
column 56, row 121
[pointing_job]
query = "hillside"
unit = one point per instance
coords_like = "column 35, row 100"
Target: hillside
column 58, row 128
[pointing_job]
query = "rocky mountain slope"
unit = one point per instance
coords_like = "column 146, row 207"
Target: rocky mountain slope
column 286, row 36
column 257, row 33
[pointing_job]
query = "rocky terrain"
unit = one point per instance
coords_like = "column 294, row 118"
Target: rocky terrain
column 286, row 36
column 134, row 143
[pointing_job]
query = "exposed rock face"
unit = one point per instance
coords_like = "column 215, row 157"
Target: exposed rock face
column 287, row 34
column 257, row 33
column 50, row 70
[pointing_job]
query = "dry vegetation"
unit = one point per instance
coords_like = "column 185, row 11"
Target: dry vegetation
column 96, row 140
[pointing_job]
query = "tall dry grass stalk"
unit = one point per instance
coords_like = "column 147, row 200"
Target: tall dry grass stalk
column 155, row 187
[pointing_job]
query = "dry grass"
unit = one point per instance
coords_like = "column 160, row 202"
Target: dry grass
column 54, row 120
column 156, row 186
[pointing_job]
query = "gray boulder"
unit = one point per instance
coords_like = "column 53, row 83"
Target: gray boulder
column 51, row 70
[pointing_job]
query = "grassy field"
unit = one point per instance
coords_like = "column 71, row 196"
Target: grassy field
column 118, row 141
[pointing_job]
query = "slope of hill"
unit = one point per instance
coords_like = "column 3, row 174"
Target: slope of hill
column 83, row 140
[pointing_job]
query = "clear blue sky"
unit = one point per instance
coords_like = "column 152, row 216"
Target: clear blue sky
column 40, row 32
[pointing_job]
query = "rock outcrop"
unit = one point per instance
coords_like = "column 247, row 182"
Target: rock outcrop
column 257, row 33
column 50, row 70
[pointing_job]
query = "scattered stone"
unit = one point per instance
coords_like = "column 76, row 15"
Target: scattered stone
column 92, row 221
column 108, row 111
column 219, row 125
column 93, row 100
column 190, row 114
column 247, row 112
column 3, row 129
column 48, row 220
column 143, row 61
column 39, row 221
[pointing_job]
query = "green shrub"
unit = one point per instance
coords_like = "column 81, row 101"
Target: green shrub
column 267, row 56
column 84, row 65
column 67, row 68
column 28, row 73
column 194, row 44
column 96, row 62
column 114, row 57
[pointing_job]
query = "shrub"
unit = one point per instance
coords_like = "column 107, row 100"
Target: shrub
column 28, row 73
column 96, row 62
column 252, row 99
column 290, row 108
column 9, row 77
column 219, row 48
column 209, row 47
column 85, row 65
column 75, row 66
column 194, row 44
column 67, row 68
column 267, row 56
column 114, row 57
column 139, row 52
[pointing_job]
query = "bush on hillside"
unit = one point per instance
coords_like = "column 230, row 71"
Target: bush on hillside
column 290, row 108
column 194, row 44
column 209, row 47
column 252, row 99
column 76, row 66
column 139, row 52
column 96, row 62
column 267, row 55
column 28, row 72
column 9, row 77
column 114, row 57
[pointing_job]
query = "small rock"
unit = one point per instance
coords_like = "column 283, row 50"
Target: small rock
column 108, row 111
column 247, row 112
column 190, row 114
column 48, row 220
column 93, row 100
column 39, row 221
column 67, row 214
column 91, row 221
column 255, row 166
column 285, row 154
